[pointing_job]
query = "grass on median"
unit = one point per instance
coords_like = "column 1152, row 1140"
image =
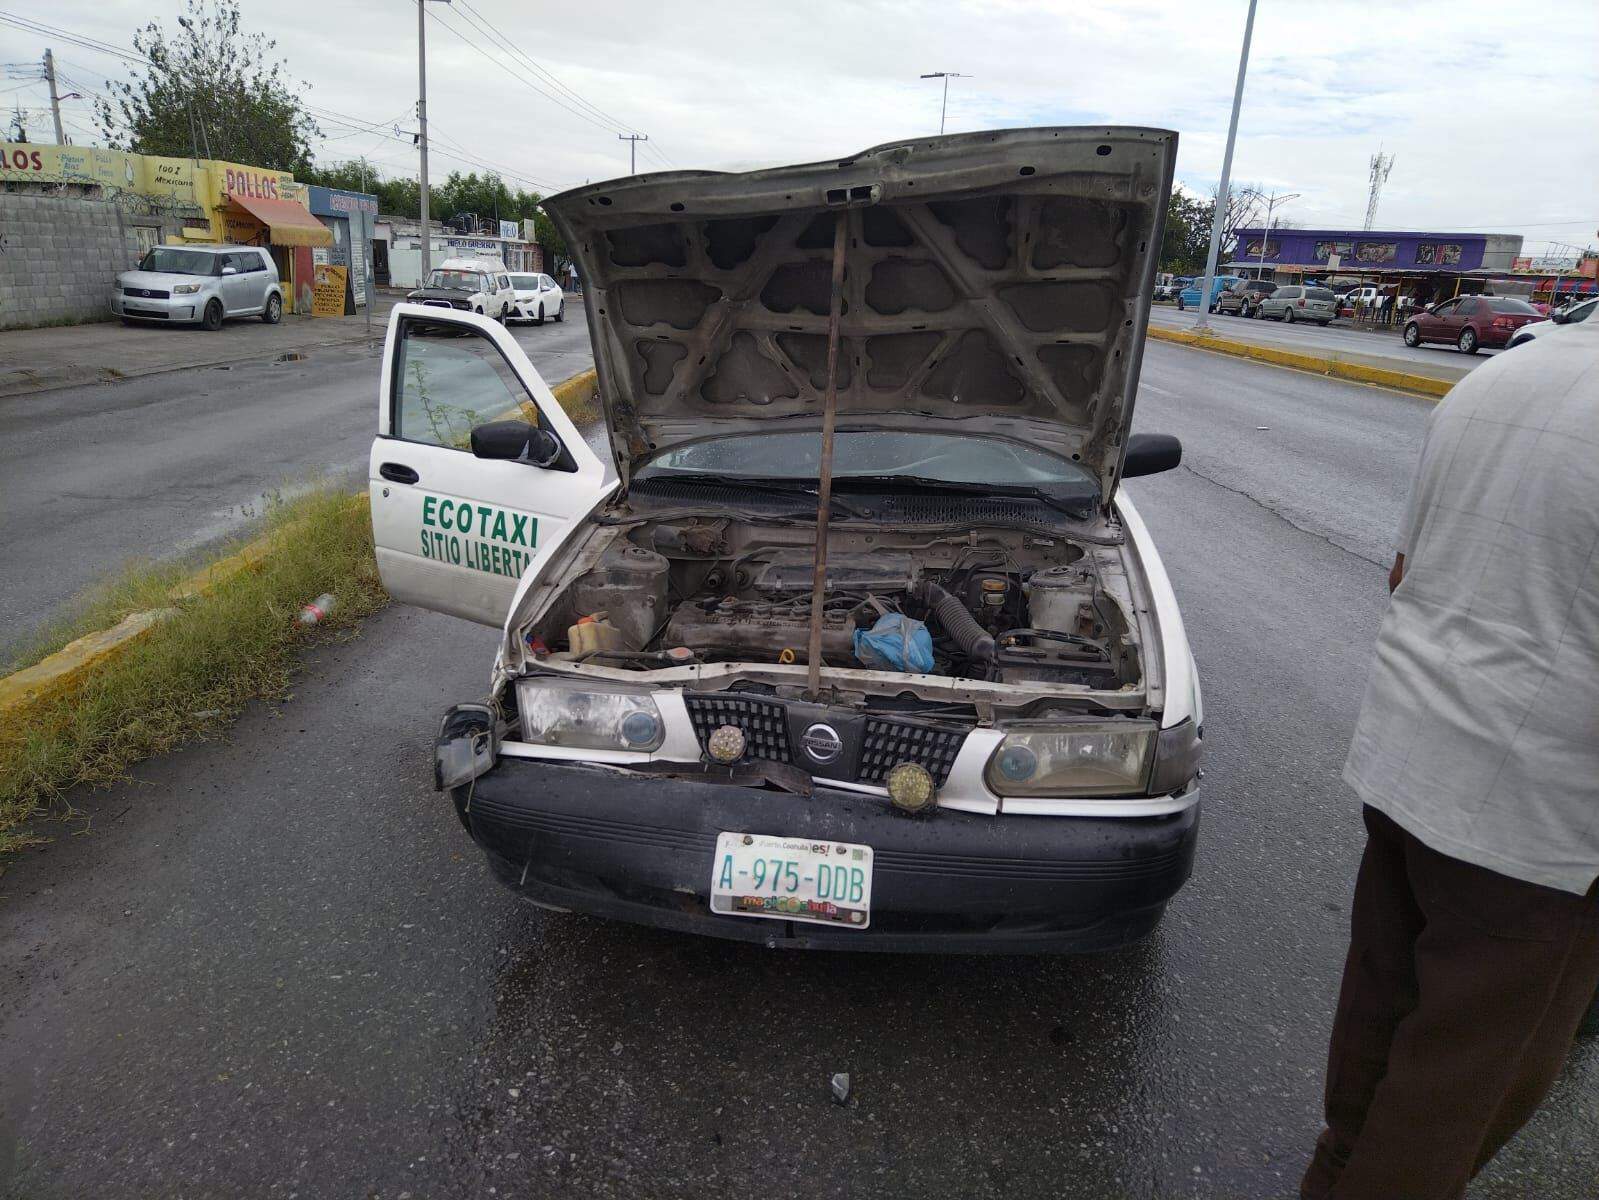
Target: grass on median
column 191, row 674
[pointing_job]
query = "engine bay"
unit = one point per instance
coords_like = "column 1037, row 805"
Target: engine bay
column 999, row 605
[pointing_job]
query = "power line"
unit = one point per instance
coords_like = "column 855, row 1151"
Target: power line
column 484, row 24
column 519, row 76
column 614, row 123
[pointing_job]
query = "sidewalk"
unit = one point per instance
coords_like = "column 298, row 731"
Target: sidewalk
column 37, row 360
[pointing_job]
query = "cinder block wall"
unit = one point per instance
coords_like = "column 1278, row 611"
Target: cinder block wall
column 59, row 254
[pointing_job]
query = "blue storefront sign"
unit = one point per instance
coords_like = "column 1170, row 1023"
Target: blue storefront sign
column 349, row 215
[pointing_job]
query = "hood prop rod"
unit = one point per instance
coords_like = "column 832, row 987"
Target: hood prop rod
column 824, row 488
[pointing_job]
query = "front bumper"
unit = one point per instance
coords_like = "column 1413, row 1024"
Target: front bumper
column 145, row 308
column 636, row 848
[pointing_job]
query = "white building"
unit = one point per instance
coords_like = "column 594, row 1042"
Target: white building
column 397, row 249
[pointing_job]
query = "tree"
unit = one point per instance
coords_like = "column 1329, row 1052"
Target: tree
column 209, row 91
column 1187, row 235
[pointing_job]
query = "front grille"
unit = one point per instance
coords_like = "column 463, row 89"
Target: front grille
column 764, row 723
column 144, row 312
column 148, row 293
column 889, row 743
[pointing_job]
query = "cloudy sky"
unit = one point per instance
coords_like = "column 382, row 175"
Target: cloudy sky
column 1490, row 109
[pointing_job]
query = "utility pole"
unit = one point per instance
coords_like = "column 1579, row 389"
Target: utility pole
column 946, row 76
column 633, row 139
column 422, row 127
column 55, row 99
column 1226, row 175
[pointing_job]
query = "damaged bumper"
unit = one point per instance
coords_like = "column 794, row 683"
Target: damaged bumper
column 640, row 849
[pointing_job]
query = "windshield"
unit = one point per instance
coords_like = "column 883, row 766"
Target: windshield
column 1507, row 304
column 172, row 260
column 937, row 457
column 460, row 281
column 525, row 283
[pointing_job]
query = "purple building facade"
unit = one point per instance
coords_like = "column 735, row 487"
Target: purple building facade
column 1369, row 250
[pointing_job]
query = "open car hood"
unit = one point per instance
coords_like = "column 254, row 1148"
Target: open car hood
column 996, row 283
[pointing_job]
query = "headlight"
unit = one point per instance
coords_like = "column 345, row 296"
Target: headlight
column 559, row 712
column 186, row 289
column 1091, row 758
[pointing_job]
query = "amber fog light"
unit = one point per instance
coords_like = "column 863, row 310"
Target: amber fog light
column 910, row 788
column 726, row 744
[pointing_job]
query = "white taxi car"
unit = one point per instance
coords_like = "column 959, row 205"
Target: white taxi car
column 998, row 745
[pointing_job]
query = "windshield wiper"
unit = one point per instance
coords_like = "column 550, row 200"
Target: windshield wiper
column 767, row 486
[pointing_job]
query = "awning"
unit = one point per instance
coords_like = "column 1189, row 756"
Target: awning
column 290, row 222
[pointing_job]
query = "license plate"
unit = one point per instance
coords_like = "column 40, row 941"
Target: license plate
column 792, row 879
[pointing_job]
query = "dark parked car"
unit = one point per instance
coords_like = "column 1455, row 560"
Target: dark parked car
column 1244, row 297
column 1471, row 322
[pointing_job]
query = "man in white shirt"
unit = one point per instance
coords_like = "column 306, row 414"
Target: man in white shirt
column 1474, row 940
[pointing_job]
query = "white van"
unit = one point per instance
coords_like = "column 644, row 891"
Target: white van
column 471, row 284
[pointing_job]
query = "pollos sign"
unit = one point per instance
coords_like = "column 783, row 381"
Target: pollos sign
column 255, row 184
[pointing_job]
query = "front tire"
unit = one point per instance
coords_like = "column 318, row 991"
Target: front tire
column 1468, row 340
column 1179, row 304
column 560, row 313
column 273, row 313
column 212, row 320
column 539, row 320
column 1412, row 335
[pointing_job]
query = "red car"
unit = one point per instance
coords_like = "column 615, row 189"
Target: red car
column 1470, row 322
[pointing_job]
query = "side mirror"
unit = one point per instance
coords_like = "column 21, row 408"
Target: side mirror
column 1560, row 318
column 516, row 440
column 230, row 270
column 1150, row 454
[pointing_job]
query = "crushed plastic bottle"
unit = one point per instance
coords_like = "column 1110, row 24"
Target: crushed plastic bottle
column 317, row 611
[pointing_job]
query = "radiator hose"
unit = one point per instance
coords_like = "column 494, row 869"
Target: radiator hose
column 956, row 620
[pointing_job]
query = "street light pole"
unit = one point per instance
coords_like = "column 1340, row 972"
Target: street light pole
column 1271, row 203
column 946, row 76
column 422, row 130
column 1226, row 175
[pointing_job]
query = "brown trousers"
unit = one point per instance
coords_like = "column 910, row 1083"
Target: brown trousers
column 1461, row 997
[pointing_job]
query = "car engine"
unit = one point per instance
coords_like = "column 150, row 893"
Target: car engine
column 996, row 605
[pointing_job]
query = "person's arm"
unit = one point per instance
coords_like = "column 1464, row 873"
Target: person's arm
column 1396, row 574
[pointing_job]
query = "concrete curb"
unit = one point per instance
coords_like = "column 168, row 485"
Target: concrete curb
column 64, row 671
column 1404, row 381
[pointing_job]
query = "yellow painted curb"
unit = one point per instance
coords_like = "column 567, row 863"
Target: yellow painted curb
column 577, row 392
column 1405, row 381
column 59, row 672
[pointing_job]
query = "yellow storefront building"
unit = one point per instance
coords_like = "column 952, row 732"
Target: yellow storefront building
column 216, row 201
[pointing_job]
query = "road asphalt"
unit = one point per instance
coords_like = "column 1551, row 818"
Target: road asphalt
column 172, row 464
column 276, row 966
column 1343, row 339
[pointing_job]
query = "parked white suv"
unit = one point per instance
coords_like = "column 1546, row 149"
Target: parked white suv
column 200, row 285
column 998, row 745
column 478, row 285
column 538, row 298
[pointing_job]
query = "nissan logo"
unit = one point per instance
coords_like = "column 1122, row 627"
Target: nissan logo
column 822, row 743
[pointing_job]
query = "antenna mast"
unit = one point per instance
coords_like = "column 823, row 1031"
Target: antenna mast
column 1381, row 164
